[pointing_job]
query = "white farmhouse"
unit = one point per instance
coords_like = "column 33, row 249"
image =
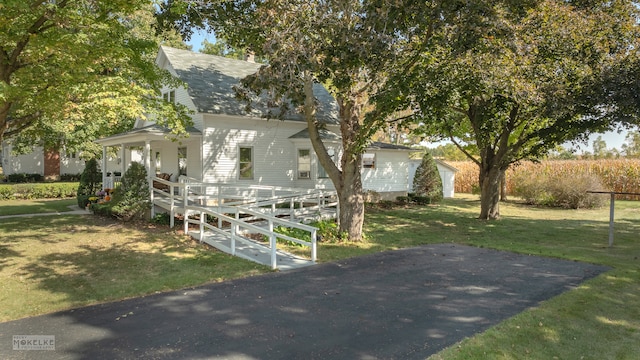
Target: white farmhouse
column 227, row 144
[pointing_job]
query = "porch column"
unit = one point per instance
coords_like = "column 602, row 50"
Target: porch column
column 147, row 166
column 123, row 160
column 104, row 165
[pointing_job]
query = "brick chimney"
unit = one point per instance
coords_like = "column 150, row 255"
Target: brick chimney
column 249, row 56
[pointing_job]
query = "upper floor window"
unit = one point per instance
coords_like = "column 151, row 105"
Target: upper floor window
column 369, row 161
column 304, row 164
column 169, row 96
column 245, row 163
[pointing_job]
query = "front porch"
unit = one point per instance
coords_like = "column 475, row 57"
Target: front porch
column 238, row 219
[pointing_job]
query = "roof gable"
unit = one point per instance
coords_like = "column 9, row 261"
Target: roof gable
column 210, row 81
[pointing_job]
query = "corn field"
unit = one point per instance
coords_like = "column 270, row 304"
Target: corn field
column 619, row 175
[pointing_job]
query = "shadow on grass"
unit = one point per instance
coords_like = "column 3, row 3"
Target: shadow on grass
column 582, row 239
column 80, row 263
column 19, row 207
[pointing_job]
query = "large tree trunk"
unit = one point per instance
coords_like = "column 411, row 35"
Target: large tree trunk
column 503, row 185
column 347, row 180
column 490, row 192
column 351, row 199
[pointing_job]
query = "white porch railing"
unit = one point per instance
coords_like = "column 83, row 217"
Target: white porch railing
column 238, row 227
column 111, row 181
column 246, row 209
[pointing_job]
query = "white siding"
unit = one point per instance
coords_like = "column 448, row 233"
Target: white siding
column 275, row 156
column 274, row 153
column 69, row 165
column 448, row 181
column 33, row 163
column 390, row 173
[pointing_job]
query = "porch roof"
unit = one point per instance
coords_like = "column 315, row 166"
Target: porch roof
column 138, row 137
column 324, row 135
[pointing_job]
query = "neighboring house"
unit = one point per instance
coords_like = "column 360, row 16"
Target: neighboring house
column 447, row 175
column 229, row 145
column 51, row 164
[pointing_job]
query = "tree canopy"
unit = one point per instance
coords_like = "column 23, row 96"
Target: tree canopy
column 515, row 79
column 72, row 71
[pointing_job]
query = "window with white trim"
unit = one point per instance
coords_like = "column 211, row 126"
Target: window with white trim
column 169, row 96
column 245, row 163
column 304, row 164
column 369, row 160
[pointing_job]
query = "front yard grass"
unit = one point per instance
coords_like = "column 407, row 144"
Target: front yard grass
column 66, row 261
column 19, row 207
column 52, row 263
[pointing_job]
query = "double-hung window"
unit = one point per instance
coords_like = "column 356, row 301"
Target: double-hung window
column 304, row 164
column 245, row 162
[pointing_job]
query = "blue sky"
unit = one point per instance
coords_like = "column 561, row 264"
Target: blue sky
column 198, row 37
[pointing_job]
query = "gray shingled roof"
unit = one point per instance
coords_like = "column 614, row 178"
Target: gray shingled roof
column 210, row 80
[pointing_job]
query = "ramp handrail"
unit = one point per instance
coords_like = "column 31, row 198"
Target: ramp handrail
column 237, row 225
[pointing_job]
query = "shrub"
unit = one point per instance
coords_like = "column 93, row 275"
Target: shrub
column 385, row 204
column 403, row 200
column 164, row 219
column 131, row 200
column 70, row 177
column 37, row 191
column 24, row 178
column 327, row 232
column 7, row 192
column 427, row 182
column 560, row 191
column 90, row 182
column 571, row 191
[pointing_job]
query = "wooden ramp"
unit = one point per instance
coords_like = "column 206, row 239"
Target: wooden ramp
column 252, row 250
column 253, row 209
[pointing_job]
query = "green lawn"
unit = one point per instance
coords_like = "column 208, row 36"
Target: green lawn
column 60, row 262
column 65, row 261
column 18, row 207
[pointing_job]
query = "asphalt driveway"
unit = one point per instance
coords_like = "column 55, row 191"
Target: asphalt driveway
column 405, row 304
